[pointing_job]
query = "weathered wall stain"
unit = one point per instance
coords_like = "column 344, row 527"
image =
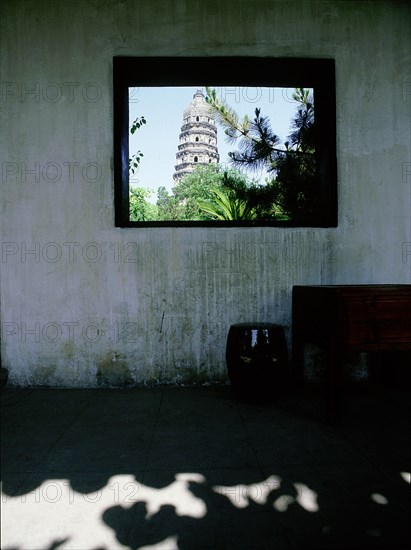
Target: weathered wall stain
column 113, row 371
column 43, row 375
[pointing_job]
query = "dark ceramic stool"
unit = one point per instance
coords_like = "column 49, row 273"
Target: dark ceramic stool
column 257, row 361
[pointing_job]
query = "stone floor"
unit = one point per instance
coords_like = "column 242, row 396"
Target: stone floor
column 192, row 468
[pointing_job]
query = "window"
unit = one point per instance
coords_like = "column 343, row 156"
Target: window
column 313, row 199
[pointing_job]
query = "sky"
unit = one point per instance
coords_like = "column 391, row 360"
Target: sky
column 163, row 109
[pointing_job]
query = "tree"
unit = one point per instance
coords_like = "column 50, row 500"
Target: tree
column 290, row 192
column 141, row 209
column 167, row 205
column 192, row 192
column 195, row 186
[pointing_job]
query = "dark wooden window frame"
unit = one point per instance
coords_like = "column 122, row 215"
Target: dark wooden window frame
column 228, row 71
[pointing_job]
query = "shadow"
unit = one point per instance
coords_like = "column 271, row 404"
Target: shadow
column 57, row 544
column 278, row 521
column 231, row 520
column 182, row 468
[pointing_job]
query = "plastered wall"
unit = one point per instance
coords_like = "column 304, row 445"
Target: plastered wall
column 86, row 304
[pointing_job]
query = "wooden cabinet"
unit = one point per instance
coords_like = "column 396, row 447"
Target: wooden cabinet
column 343, row 318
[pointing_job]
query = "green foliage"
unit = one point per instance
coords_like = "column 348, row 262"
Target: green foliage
column 209, row 193
column 227, row 117
column 258, row 197
column 290, row 192
column 225, row 205
column 189, row 195
column 296, row 171
column 134, row 161
column 194, row 186
column 167, row 205
column 138, row 122
column 141, row 209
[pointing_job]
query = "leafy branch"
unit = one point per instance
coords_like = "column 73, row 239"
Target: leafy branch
column 226, row 206
column 137, row 124
column 257, row 143
column 134, row 161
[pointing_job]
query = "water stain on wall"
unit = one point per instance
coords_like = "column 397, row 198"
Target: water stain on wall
column 68, row 350
column 113, row 371
column 45, row 375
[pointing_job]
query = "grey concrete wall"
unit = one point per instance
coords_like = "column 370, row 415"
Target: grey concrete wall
column 84, row 303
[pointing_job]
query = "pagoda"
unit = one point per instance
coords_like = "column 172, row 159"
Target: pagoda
column 198, row 138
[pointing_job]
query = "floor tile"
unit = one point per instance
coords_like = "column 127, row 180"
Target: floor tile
column 182, row 448
column 23, row 449
column 94, row 448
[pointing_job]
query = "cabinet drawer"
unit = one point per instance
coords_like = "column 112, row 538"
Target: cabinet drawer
column 380, row 321
column 379, row 309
